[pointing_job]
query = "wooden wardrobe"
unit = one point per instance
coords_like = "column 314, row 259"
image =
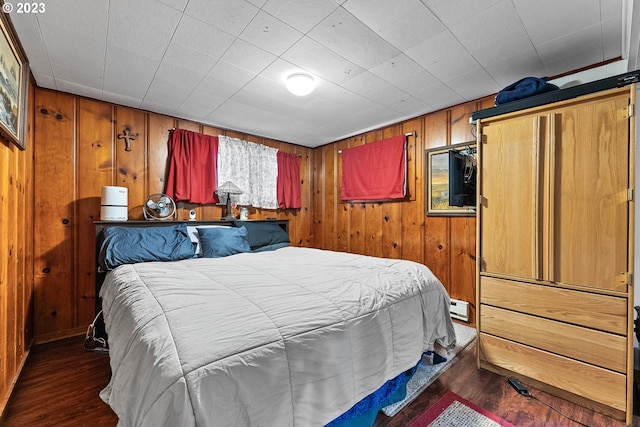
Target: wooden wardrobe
column 555, row 248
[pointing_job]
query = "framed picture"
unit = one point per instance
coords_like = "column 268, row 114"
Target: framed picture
column 439, row 175
column 14, row 76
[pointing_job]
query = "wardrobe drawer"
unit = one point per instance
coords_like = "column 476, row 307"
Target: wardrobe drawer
column 582, row 379
column 602, row 312
column 587, row 345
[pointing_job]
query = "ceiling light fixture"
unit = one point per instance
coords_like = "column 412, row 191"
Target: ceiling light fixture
column 300, row 84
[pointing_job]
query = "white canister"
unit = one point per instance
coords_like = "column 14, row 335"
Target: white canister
column 244, row 213
column 114, row 204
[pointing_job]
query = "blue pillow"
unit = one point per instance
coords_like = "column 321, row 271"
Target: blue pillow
column 128, row 245
column 223, row 241
column 260, row 234
column 272, row 247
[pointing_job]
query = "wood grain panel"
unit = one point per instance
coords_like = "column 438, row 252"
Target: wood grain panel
column 463, row 259
column 131, row 166
column 594, row 383
column 158, row 130
column 437, row 250
column 592, row 164
column 461, row 129
column 95, row 169
column 343, row 217
column 557, row 303
column 412, row 216
column 587, row 345
column 317, row 197
column 511, row 205
column 391, row 213
column 330, row 162
column 9, row 152
column 373, row 212
column 358, row 218
column 16, row 262
column 55, row 197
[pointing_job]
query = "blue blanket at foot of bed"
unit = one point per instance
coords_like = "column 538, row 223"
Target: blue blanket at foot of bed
column 364, row 413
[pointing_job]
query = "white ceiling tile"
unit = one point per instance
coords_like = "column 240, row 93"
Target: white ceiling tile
column 125, row 88
column 398, row 70
column 403, row 23
column 176, row 4
column 28, row 27
column 567, row 17
column 257, row 3
column 77, row 75
column 200, row 104
column 202, row 37
column 45, row 80
column 144, row 27
column 120, row 99
column 77, row 88
column 573, row 50
column 350, row 38
column 493, row 22
column 42, row 65
column 300, row 14
column 129, row 68
column 184, row 57
column 438, row 49
column 441, row 96
column 376, row 89
column 225, row 79
column 82, row 17
column 87, row 54
column 476, row 83
column 510, row 69
column 270, row 34
column 173, row 75
column 611, row 43
column 321, row 61
column 162, row 107
column 454, row 12
column 247, row 56
column 229, row 16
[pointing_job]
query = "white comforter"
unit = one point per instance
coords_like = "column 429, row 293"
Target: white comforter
column 292, row 337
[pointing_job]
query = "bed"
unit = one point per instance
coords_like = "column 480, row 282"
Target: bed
column 270, row 335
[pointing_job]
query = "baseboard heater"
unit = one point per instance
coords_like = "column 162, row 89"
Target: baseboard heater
column 459, row 310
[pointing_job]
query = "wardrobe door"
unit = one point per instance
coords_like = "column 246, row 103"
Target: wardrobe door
column 510, row 226
column 590, row 212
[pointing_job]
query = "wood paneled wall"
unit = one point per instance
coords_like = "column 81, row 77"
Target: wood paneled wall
column 446, row 244
column 77, row 151
column 16, row 257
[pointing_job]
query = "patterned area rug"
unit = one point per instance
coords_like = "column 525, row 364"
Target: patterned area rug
column 428, row 372
column 453, row 410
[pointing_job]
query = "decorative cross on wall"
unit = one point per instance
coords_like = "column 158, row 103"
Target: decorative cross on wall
column 128, row 137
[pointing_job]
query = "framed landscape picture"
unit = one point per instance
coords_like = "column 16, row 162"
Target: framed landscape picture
column 14, row 75
column 438, row 174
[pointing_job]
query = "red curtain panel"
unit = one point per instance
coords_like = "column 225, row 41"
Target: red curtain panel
column 289, row 181
column 375, row 171
column 192, row 167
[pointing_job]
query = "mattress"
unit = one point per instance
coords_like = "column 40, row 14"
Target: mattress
column 290, row 337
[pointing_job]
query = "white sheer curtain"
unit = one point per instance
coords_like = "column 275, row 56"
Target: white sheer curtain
column 253, row 168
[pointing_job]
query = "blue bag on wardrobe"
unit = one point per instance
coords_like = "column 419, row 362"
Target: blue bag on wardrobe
column 524, row 88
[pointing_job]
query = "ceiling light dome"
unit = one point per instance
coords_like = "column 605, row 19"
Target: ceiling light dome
column 300, row 84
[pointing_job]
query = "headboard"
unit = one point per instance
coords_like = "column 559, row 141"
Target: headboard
column 102, row 225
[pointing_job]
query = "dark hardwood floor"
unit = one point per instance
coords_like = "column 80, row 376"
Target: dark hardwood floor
column 60, row 383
